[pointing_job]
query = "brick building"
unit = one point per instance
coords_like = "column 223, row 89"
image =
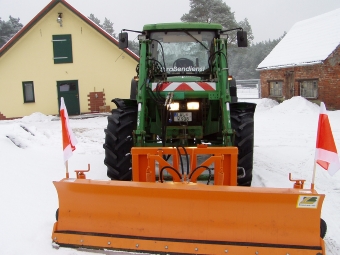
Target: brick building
column 306, row 62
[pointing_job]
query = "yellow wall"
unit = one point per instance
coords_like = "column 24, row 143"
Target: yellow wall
column 98, row 65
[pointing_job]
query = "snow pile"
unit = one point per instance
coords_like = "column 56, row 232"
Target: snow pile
column 265, row 104
column 296, row 105
column 37, row 117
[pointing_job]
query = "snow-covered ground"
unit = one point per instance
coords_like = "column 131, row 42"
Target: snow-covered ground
column 285, row 137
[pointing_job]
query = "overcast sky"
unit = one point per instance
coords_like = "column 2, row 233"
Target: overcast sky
column 268, row 18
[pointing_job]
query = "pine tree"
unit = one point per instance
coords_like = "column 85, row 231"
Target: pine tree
column 107, row 25
column 8, row 29
column 94, row 19
column 242, row 62
column 134, row 47
column 216, row 11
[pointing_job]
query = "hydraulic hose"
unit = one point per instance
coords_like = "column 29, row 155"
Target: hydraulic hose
column 205, row 167
column 161, row 172
column 187, row 157
column 180, row 158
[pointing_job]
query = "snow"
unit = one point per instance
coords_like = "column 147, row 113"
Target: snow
column 285, row 137
column 309, row 41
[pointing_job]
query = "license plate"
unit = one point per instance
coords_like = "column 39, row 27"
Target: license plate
column 182, row 116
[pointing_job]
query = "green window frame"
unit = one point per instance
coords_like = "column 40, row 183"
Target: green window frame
column 275, row 88
column 62, row 49
column 28, row 91
column 309, row 88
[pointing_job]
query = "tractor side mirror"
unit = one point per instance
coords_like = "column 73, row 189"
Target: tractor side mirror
column 242, row 40
column 123, row 40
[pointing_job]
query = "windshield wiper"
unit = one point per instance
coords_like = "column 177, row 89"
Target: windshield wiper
column 196, row 39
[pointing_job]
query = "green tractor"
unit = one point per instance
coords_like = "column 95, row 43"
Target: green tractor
column 182, row 96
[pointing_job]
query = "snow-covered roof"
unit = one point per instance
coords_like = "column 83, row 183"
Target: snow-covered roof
column 309, row 41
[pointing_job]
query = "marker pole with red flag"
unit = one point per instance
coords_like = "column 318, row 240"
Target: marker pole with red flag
column 326, row 154
column 69, row 140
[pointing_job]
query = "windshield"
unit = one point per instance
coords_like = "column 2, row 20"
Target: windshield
column 185, row 52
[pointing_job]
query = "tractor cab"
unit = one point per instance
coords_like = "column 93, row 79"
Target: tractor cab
column 184, row 49
column 182, row 52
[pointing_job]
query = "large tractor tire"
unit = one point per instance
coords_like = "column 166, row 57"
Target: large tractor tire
column 118, row 140
column 242, row 122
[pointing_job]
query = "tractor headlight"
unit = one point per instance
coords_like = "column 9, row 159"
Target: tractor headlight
column 174, row 107
column 193, row 105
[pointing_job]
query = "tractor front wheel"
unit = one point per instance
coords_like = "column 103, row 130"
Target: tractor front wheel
column 118, row 140
column 242, row 122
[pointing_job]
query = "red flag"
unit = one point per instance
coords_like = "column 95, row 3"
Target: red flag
column 326, row 154
column 69, row 140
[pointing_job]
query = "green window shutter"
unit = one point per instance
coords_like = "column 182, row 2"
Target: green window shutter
column 62, row 49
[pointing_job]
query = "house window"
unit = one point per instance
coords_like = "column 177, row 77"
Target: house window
column 275, row 88
column 62, row 49
column 28, row 89
column 309, row 89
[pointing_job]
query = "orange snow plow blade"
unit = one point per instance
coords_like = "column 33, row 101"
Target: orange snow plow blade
column 187, row 217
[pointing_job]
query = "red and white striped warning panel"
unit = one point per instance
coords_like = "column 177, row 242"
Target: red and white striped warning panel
column 184, row 86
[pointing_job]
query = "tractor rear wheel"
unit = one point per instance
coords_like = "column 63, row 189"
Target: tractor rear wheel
column 242, row 122
column 118, row 140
